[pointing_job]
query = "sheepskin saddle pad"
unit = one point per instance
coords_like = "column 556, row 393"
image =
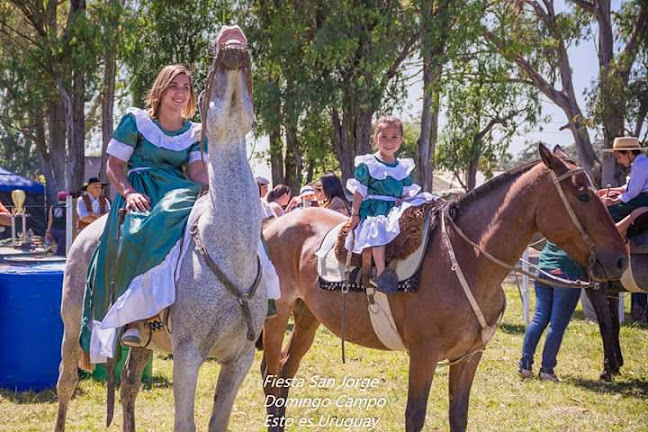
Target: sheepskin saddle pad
column 404, row 254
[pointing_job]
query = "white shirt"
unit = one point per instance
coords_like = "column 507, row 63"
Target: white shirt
column 81, row 207
column 638, row 182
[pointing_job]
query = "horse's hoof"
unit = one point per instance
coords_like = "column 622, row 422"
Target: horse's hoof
column 606, row 376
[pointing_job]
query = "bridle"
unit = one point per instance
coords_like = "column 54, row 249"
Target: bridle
column 488, row 331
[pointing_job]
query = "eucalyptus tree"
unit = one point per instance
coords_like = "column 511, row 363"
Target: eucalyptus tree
column 536, row 37
column 484, row 109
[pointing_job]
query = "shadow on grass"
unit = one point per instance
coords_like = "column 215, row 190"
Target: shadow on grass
column 512, row 328
column 156, row 382
column 29, row 397
column 632, row 387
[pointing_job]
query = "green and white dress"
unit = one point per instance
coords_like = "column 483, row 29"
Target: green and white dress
column 381, row 184
column 143, row 262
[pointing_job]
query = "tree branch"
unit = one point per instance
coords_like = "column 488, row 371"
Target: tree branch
column 584, row 4
column 629, row 51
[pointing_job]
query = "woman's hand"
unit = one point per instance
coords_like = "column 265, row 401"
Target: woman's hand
column 355, row 220
column 136, row 201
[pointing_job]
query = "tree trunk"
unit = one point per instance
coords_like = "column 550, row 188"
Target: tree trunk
column 108, row 98
column 429, row 128
column 276, row 156
column 362, row 130
column 76, row 142
column 57, row 140
column 44, row 157
column 343, row 151
column 293, row 159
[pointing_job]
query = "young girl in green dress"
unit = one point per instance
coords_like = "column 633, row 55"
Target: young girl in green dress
column 383, row 188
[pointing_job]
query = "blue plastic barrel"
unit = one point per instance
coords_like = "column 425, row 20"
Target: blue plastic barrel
column 30, row 326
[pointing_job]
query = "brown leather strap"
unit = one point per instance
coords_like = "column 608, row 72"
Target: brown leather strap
column 243, row 298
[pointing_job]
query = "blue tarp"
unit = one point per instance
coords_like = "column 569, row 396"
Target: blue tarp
column 10, row 181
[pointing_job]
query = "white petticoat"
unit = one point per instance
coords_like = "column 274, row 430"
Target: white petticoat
column 153, row 291
column 381, row 230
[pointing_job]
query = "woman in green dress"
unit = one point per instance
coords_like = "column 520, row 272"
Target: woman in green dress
column 140, row 256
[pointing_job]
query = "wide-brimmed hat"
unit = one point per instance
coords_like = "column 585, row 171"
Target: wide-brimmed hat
column 624, row 144
column 92, row 180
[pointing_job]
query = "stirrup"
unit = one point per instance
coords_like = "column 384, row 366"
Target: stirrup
column 131, row 338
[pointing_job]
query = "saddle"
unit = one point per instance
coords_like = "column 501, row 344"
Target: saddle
column 635, row 278
column 404, row 254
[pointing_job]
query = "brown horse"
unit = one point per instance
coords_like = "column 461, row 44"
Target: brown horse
column 437, row 322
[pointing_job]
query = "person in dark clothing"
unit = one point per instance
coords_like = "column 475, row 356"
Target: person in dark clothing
column 56, row 223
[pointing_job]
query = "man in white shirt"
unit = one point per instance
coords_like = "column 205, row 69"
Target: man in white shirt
column 634, row 194
column 91, row 206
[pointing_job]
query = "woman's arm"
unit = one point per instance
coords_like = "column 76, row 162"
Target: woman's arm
column 115, row 168
column 198, row 172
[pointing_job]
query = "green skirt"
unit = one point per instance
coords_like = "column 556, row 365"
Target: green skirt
column 141, row 244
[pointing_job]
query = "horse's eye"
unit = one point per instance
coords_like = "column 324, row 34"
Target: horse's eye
column 583, row 198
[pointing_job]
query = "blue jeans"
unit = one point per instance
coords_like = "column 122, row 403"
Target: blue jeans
column 554, row 306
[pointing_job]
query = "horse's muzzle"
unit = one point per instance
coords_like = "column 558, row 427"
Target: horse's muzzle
column 233, row 55
column 609, row 267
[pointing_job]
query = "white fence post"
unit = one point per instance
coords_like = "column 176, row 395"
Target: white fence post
column 525, row 287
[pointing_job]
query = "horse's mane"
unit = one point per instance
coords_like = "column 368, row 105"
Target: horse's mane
column 462, row 202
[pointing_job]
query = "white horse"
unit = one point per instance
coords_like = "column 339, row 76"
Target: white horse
column 207, row 319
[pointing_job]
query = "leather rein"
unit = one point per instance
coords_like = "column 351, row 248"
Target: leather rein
column 488, row 331
column 242, row 297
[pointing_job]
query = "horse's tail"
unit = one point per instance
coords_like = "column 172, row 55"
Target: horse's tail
column 110, row 400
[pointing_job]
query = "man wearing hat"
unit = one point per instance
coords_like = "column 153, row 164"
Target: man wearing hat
column 634, row 194
column 91, row 206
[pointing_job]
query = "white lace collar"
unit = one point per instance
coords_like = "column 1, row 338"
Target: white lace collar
column 156, row 136
column 380, row 171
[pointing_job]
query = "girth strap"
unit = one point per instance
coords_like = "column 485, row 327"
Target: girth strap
column 243, row 298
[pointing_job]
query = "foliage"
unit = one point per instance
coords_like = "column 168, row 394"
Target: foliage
column 485, row 107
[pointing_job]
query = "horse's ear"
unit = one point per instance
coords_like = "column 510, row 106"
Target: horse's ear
column 558, row 151
column 547, row 158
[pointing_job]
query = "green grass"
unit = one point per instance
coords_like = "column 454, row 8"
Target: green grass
column 500, row 401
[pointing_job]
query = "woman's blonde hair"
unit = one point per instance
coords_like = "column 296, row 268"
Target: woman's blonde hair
column 162, row 83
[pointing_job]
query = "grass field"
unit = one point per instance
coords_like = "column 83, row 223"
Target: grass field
column 500, row 401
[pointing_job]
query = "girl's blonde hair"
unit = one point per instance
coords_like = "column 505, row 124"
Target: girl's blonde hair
column 162, row 83
column 386, row 121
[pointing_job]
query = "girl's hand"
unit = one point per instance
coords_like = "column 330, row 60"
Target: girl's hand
column 136, row 201
column 355, row 220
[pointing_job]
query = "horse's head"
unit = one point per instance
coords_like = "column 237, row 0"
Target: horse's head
column 571, row 215
column 226, row 106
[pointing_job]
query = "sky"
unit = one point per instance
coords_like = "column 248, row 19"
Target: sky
column 584, row 64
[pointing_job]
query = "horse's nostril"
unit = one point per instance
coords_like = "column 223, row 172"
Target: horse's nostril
column 622, row 263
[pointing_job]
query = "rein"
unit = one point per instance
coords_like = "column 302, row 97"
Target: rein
column 242, row 297
column 544, row 276
column 487, row 331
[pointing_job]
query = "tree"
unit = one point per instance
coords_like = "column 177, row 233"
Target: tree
column 484, row 109
column 533, row 35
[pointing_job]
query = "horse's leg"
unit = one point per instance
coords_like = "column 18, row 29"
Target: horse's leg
column 600, row 305
column 461, row 379
column 422, row 366
column 301, row 339
column 68, row 379
column 230, row 377
column 273, row 335
column 613, row 304
column 187, row 360
column 68, row 374
column 131, row 380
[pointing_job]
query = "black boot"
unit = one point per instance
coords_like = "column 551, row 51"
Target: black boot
column 388, row 282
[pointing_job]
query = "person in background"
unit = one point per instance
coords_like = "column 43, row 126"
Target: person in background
column 330, row 194
column 554, row 308
column 56, row 220
column 306, row 198
column 263, row 184
column 621, row 201
column 91, row 205
column 278, row 199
